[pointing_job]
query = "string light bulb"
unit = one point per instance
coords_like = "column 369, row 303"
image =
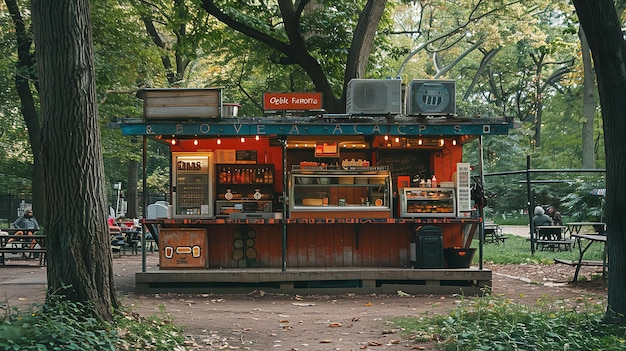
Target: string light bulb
column 419, row 142
column 173, row 141
column 454, row 142
column 257, row 137
column 219, row 141
column 243, row 140
column 195, row 142
column 386, row 137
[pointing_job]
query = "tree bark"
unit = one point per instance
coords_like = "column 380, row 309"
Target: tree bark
column 23, row 79
column 363, row 38
column 77, row 238
column 602, row 28
column 589, row 104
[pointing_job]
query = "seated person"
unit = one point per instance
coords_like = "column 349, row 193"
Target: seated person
column 541, row 218
column 555, row 215
column 29, row 225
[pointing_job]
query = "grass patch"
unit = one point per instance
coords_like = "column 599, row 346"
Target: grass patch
column 516, row 250
column 497, row 323
column 64, row 325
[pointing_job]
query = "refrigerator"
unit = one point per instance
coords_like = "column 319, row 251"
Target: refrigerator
column 193, row 186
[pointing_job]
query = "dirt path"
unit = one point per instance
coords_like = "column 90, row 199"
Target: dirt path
column 259, row 321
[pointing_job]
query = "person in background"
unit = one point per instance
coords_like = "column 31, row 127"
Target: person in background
column 555, row 215
column 28, row 223
column 541, row 218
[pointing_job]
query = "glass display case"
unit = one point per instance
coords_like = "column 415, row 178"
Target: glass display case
column 427, row 202
column 244, row 189
column 340, row 192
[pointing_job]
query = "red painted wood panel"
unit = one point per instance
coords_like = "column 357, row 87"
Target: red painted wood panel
column 323, row 245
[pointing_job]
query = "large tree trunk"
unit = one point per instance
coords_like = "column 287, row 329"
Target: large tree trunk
column 363, row 38
column 589, row 104
column 23, row 80
column 603, row 30
column 77, row 238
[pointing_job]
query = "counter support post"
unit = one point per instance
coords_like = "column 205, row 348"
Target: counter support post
column 285, row 200
column 145, row 202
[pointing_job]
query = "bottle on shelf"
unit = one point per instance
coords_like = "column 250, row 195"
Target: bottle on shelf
column 433, row 181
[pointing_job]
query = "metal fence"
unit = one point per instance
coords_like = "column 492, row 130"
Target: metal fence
column 13, row 206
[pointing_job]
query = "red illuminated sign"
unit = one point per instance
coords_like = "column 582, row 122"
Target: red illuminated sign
column 292, row 101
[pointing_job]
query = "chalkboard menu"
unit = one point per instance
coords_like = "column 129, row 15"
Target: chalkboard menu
column 245, row 156
column 405, row 163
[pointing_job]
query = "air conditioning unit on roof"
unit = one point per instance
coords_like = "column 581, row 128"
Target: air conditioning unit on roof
column 431, row 98
column 374, row 97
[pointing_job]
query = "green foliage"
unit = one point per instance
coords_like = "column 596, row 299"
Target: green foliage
column 582, row 204
column 64, row 325
column 498, row 323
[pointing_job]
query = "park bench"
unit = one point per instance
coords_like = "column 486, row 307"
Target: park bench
column 22, row 244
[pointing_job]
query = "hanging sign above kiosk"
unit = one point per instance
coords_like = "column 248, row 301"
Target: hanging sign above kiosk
column 292, row 101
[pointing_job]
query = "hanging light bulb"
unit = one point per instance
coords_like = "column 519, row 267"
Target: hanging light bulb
column 397, row 140
column 386, row 137
column 419, row 142
column 173, row 141
column 454, row 142
column 219, row 141
column 195, row 142
column 441, row 142
column 243, row 140
column 257, row 138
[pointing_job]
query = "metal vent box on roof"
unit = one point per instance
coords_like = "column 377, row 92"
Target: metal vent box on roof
column 431, row 97
column 374, row 97
column 181, row 104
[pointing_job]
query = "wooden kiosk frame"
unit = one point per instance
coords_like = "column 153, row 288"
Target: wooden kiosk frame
column 338, row 250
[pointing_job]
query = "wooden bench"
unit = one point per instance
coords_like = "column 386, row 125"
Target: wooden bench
column 493, row 233
column 551, row 238
column 561, row 245
column 582, row 263
column 21, row 244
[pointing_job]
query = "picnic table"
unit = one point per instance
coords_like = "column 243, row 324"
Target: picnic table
column 551, row 237
column 493, row 233
column 591, row 239
column 22, row 244
column 576, row 227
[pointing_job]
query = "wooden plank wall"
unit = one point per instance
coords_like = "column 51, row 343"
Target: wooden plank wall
column 319, row 245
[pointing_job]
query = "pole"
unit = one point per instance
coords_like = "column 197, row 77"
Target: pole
column 481, row 228
column 530, row 207
column 285, row 199
column 144, row 189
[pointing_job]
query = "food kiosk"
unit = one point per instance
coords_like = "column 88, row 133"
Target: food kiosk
column 308, row 200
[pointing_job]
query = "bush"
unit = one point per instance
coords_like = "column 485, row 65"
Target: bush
column 64, row 325
column 497, row 323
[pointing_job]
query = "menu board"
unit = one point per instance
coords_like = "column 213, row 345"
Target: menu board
column 405, row 163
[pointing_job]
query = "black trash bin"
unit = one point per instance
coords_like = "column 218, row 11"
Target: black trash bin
column 427, row 248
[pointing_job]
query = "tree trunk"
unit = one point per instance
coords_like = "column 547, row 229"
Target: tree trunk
column 362, row 40
column 589, row 104
column 603, row 30
column 77, row 238
column 23, row 80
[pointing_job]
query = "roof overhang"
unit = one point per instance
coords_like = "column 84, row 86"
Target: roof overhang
column 316, row 126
